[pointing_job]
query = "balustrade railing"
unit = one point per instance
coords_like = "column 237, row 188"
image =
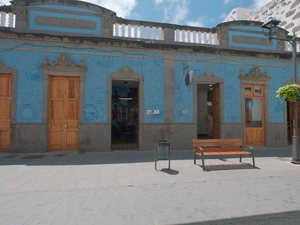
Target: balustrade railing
column 196, row 37
column 7, row 19
column 142, row 30
column 138, row 31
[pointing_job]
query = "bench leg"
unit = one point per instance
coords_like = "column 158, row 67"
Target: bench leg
column 194, row 158
column 253, row 161
column 240, row 158
column 203, row 167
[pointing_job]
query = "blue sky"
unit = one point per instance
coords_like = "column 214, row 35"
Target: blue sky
column 201, row 13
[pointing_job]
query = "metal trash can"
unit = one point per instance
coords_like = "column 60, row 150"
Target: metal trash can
column 162, row 151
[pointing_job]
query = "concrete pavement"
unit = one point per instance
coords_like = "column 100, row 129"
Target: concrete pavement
column 122, row 187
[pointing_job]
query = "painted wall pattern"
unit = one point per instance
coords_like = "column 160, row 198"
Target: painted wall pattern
column 30, row 83
column 229, row 71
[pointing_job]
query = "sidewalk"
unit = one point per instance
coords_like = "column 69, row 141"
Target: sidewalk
column 122, row 187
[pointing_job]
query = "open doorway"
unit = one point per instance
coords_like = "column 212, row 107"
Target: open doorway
column 125, row 111
column 208, row 111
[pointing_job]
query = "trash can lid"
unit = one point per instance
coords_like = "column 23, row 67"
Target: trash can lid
column 163, row 141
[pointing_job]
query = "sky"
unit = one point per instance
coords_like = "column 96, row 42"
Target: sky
column 200, row 13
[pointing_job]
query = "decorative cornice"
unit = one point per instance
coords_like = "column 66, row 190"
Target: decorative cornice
column 255, row 74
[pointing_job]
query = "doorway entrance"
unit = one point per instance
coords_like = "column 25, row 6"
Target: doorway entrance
column 63, row 113
column 208, row 111
column 254, row 98
column 125, row 111
column 5, row 111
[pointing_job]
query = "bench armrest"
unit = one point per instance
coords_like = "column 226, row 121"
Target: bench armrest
column 250, row 149
column 198, row 147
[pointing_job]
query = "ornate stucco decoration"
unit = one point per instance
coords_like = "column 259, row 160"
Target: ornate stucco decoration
column 125, row 72
column 63, row 60
column 255, row 74
column 209, row 77
column 64, row 66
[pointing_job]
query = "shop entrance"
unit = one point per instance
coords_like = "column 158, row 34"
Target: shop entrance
column 125, row 111
column 208, row 112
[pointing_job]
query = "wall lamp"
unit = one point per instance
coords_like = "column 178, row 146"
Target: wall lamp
column 270, row 29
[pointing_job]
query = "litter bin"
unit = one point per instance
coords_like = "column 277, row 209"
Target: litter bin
column 162, row 151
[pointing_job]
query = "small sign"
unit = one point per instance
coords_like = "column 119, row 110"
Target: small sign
column 183, row 112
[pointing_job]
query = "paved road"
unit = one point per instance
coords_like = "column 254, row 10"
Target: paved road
column 122, row 187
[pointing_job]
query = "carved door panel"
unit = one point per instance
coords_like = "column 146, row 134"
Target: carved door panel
column 5, row 111
column 216, row 111
column 63, row 113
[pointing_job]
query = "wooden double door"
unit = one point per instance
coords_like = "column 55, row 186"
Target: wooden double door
column 63, row 119
column 5, row 111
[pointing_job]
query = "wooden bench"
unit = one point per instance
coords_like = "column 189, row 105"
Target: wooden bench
column 220, row 147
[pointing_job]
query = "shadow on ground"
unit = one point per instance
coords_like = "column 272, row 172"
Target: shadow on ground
column 240, row 166
column 283, row 218
column 115, row 157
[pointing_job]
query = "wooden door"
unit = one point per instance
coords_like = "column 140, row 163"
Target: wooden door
column 254, row 115
column 64, row 113
column 5, row 111
column 216, row 111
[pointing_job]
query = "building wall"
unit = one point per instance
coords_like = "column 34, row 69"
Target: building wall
column 159, row 65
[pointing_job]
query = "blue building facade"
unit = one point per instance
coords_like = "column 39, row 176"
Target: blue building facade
column 51, row 40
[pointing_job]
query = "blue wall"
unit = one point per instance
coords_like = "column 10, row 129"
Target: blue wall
column 30, row 82
column 228, row 69
column 148, row 65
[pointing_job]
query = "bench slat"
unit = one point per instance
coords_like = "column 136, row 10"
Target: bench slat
column 224, row 153
column 220, row 149
column 217, row 142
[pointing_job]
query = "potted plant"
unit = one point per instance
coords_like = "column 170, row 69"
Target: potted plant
column 289, row 92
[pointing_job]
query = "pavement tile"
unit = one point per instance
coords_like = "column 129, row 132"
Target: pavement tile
column 122, row 187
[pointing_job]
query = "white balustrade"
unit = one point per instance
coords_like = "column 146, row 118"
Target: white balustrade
column 7, row 19
column 138, row 32
column 197, row 37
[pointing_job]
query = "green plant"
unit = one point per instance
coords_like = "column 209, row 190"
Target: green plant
column 289, row 92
